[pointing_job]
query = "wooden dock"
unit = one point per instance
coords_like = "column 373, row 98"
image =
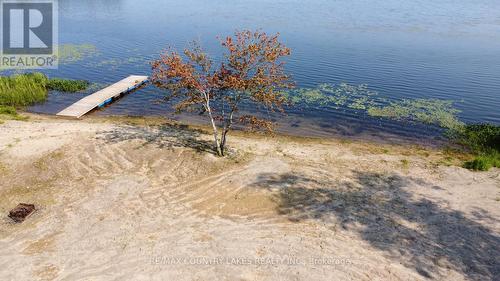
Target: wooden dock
column 103, row 97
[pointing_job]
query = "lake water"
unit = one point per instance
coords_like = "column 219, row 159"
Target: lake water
column 448, row 49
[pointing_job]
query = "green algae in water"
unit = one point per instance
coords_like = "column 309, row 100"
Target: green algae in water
column 308, row 96
column 334, row 96
column 71, row 53
column 427, row 111
column 114, row 63
column 117, row 61
column 361, row 98
column 96, row 86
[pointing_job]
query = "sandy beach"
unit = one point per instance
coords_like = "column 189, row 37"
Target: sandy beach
column 142, row 199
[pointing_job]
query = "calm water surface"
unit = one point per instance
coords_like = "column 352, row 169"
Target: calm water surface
column 444, row 49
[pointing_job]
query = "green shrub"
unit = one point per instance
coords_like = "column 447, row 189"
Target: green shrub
column 23, row 90
column 482, row 140
column 479, row 137
column 478, row 164
column 64, row 85
column 484, row 162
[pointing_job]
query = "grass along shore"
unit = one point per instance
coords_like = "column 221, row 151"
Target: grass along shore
column 21, row 90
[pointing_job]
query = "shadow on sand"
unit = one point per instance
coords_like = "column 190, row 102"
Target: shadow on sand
column 164, row 136
column 417, row 232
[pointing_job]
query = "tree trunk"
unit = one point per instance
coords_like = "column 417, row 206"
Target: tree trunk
column 223, row 140
column 227, row 127
column 216, row 134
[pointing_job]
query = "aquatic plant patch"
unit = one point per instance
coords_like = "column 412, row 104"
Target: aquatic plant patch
column 71, row 53
column 334, row 96
column 359, row 97
column 66, row 85
column 96, row 86
column 114, row 63
column 427, row 111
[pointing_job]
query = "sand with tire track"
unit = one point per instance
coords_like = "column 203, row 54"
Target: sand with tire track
column 149, row 201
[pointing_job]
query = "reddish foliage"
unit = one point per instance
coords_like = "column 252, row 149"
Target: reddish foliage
column 251, row 72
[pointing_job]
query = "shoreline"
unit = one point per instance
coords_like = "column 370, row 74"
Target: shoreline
column 427, row 141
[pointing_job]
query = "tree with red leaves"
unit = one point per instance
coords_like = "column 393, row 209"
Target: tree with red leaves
column 251, row 72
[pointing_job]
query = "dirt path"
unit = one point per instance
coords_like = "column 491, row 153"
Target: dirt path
column 139, row 202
